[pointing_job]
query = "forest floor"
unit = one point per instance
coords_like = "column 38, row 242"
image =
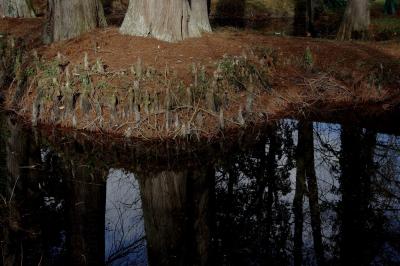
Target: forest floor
column 217, row 83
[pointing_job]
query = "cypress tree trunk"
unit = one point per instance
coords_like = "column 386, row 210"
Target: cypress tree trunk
column 70, row 18
column 200, row 15
column 306, row 12
column 167, row 20
column 16, row 9
column 355, row 21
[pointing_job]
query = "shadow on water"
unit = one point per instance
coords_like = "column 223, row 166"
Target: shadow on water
column 300, row 193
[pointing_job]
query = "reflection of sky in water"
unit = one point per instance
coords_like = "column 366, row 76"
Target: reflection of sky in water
column 124, row 230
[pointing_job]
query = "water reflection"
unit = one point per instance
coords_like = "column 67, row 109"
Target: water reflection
column 124, row 226
column 302, row 193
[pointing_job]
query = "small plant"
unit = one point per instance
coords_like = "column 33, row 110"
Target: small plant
column 85, row 80
column 382, row 75
column 102, row 84
column 51, row 70
column 238, row 70
column 201, row 81
column 269, row 54
column 30, row 71
column 308, row 58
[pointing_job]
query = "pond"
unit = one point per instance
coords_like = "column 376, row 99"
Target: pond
column 299, row 192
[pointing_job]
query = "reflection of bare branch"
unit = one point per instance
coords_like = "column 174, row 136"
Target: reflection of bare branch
column 124, row 216
column 13, row 189
column 123, row 252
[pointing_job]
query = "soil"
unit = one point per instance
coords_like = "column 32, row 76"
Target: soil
column 30, row 30
column 341, row 75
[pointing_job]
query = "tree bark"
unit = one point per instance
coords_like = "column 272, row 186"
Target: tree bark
column 167, row 20
column 16, row 9
column 355, row 21
column 70, row 18
column 306, row 13
column 200, row 15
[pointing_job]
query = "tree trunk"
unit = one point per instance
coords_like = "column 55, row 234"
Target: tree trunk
column 200, row 15
column 16, row 9
column 355, row 21
column 70, row 18
column 167, row 20
column 390, row 7
column 306, row 13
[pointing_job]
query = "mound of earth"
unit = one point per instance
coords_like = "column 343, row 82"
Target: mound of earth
column 141, row 87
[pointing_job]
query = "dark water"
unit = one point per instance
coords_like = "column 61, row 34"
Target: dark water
column 311, row 193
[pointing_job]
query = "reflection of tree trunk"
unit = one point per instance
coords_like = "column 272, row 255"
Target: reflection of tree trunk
column 20, row 184
column 16, row 156
column 307, row 138
column 86, row 213
column 229, row 213
column 17, row 151
column 298, row 198
column 3, row 156
column 356, row 164
column 202, row 187
column 175, row 208
column 163, row 200
column 266, row 178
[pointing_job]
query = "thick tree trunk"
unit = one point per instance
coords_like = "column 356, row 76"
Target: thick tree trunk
column 200, row 15
column 167, row 20
column 71, row 18
column 16, row 9
column 355, row 21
